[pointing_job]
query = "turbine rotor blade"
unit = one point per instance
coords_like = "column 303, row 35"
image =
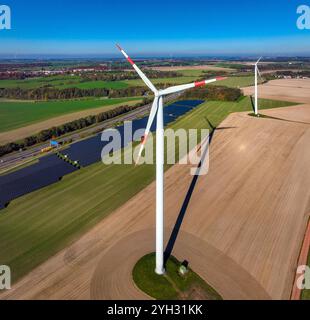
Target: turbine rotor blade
column 183, row 87
column 148, row 127
column 140, row 73
column 258, row 61
column 259, row 74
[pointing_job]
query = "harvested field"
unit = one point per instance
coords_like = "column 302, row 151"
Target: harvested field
column 295, row 90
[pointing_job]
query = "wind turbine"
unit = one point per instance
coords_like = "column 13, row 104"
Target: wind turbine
column 257, row 73
column 157, row 109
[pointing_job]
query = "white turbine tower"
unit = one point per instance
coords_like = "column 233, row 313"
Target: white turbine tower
column 157, row 108
column 257, row 73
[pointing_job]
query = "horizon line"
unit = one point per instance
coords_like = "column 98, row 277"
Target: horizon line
column 14, row 56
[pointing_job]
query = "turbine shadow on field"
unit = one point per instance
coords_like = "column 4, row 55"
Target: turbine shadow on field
column 213, row 129
column 280, row 119
column 252, row 103
column 274, row 118
column 179, row 221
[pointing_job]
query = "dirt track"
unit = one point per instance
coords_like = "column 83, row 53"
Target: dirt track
column 242, row 230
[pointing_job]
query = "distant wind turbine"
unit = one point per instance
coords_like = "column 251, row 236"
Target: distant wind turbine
column 157, row 109
column 257, row 73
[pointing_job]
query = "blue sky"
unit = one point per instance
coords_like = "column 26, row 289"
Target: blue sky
column 226, row 27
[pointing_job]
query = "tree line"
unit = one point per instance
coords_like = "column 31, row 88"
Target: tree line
column 219, row 93
column 294, row 74
column 47, row 93
column 17, row 66
column 128, row 75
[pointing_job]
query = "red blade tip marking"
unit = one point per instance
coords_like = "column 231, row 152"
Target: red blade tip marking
column 143, row 139
column 200, row 83
column 130, row 61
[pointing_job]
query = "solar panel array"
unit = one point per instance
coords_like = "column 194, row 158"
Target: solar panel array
column 51, row 169
column 89, row 151
column 189, row 103
column 48, row 170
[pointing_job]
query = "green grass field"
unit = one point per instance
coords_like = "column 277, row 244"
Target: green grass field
column 97, row 84
column 177, row 80
column 67, row 81
column 237, row 82
column 231, row 65
column 234, row 82
column 171, row 286
column 191, row 73
column 75, row 81
column 61, row 82
column 38, row 225
column 33, row 83
column 14, row 115
column 198, row 72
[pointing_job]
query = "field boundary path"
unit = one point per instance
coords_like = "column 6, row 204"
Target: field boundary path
column 303, row 258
